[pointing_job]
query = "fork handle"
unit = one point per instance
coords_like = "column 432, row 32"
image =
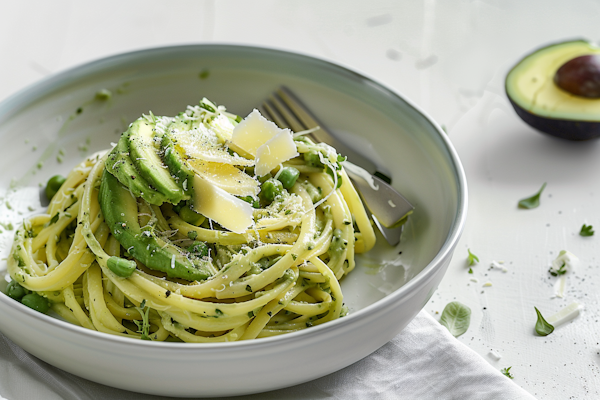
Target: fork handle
column 382, row 200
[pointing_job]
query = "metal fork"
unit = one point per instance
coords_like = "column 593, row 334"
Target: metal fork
column 388, row 208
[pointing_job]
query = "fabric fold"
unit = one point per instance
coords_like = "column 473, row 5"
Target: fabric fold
column 423, row 362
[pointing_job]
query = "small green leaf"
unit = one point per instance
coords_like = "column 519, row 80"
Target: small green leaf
column 54, row 219
column 473, row 259
column 586, row 230
column 456, row 317
column 542, row 327
column 561, row 271
column 144, row 324
column 470, row 270
column 506, row 372
column 204, row 74
column 533, row 201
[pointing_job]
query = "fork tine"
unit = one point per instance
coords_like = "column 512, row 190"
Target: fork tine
column 269, row 111
column 303, row 115
column 287, row 115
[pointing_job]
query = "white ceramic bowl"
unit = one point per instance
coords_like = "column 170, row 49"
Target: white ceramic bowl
column 383, row 293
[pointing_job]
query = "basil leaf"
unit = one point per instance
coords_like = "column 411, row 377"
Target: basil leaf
column 542, row 327
column 472, row 258
column 586, row 230
column 456, row 317
column 533, row 201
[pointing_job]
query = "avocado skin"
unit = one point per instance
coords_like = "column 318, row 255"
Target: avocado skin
column 564, row 128
column 561, row 128
column 120, row 165
column 120, row 212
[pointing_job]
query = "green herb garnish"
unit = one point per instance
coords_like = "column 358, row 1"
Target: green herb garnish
column 472, row 259
column 561, row 271
column 586, row 230
column 204, row 74
column 144, row 324
column 542, row 327
column 506, row 372
column 533, row 201
column 456, row 317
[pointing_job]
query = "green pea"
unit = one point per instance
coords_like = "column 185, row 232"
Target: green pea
column 270, row 189
column 199, row 249
column 251, row 200
column 312, row 159
column 190, row 216
column 15, row 291
column 288, row 177
column 54, row 185
column 121, row 266
column 37, row 302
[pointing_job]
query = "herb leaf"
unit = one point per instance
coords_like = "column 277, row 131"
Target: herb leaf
column 561, row 271
column 533, row 201
column 456, row 317
column 472, row 258
column 586, row 230
column 506, row 372
column 144, row 325
column 542, row 327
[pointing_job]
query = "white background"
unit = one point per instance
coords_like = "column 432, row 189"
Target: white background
column 449, row 57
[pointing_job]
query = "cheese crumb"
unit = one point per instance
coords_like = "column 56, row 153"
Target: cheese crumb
column 565, row 314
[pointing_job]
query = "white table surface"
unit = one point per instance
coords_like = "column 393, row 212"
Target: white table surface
column 450, row 57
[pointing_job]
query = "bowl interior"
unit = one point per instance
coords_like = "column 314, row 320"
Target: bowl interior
column 48, row 128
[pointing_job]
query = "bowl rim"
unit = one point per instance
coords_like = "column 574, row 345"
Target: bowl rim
column 52, row 82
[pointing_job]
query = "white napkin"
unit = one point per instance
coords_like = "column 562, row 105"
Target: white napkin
column 423, row 362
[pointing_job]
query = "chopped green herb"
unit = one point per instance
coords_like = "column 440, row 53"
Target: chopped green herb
column 472, row 259
column 144, row 324
column 103, row 95
column 456, row 317
column 506, row 372
column 561, row 271
column 204, row 74
column 533, row 201
column 586, row 230
column 542, row 327
column 54, row 219
column 470, row 270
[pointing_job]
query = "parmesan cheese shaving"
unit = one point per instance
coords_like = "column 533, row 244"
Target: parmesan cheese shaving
column 218, row 205
column 565, row 314
column 253, row 132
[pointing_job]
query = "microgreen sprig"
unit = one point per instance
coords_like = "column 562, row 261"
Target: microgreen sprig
column 586, row 230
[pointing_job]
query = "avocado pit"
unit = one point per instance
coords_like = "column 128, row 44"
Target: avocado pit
column 580, row 76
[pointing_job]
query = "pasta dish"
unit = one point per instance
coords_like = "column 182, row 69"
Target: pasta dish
column 202, row 227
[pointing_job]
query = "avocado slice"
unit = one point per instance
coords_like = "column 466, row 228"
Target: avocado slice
column 539, row 101
column 120, row 165
column 174, row 159
column 144, row 154
column 120, row 211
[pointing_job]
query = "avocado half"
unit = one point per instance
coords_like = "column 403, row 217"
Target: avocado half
column 537, row 99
